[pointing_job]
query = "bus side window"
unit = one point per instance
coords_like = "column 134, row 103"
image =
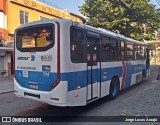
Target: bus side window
column 109, row 48
column 77, row 46
column 130, row 55
column 142, row 52
column 114, row 49
column 105, row 49
column 122, row 49
column 145, row 52
column 137, row 51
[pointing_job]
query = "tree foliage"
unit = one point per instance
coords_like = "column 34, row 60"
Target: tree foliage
column 108, row 14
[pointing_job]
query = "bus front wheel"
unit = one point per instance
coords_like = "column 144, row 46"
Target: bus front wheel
column 114, row 88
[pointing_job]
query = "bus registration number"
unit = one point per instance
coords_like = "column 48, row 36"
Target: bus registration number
column 32, row 86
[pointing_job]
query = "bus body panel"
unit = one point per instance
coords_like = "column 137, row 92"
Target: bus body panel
column 37, row 70
column 75, row 87
column 28, row 71
column 54, row 97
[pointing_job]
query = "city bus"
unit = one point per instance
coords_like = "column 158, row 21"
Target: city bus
column 66, row 63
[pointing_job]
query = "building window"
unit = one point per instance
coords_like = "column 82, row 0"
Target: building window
column 24, row 17
column 43, row 18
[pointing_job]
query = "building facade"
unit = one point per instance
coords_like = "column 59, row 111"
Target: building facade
column 14, row 13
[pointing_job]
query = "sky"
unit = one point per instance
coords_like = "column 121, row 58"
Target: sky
column 72, row 5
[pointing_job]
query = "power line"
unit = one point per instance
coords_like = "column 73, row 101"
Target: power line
column 133, row 13
column 158, row 2
column 153, row 2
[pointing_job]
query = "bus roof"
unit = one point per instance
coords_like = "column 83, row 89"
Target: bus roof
column 109, row 33
column 44, row 21
column 99, row 30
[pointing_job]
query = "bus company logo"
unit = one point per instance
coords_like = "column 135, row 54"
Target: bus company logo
column 23, row 58
column 32, row 57
column 26, row 58
column 46, row 58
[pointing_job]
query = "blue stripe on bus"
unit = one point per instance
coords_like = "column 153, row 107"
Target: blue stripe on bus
column 76, row 79
column 36, row 78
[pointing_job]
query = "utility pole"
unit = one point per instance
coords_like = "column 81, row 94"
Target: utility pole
column 127, row 30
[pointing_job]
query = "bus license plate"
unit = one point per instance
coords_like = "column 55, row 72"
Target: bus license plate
column 34, row 86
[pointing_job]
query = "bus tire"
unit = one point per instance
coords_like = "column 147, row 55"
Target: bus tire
column 114, row 88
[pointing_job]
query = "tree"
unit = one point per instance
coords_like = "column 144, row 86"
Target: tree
column 112, row 15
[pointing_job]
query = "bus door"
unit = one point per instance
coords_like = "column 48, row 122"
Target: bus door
column 92, row 69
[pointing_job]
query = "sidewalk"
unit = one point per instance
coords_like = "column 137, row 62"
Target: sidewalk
column 6, row 85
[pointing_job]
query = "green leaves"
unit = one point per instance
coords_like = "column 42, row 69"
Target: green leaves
column 108, row 14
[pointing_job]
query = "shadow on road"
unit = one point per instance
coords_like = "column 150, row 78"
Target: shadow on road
column 49, row 110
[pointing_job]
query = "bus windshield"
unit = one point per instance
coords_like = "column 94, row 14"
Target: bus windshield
column 37, row 38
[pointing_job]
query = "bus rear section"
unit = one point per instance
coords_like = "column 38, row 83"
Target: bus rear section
column 37, row 71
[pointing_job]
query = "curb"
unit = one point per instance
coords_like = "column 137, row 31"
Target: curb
column 6, row 92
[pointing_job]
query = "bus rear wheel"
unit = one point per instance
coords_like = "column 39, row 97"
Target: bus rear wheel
column 114, row 88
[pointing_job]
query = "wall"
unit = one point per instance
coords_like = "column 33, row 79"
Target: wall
column 3, row 6
column 35, row 9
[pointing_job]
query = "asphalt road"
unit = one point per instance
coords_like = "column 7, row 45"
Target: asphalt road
column 142, row 99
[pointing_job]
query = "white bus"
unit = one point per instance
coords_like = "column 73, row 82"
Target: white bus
column 65, row 63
